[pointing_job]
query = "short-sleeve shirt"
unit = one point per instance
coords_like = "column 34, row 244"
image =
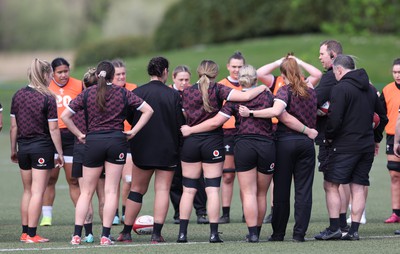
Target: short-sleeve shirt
column 64, row 95
column 32, row 112
column 114, row 115
column 193, row 102
column 304, row 109
column 250, row 125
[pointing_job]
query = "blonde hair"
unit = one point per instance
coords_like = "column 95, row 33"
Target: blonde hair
column 247, row 76
column 292, row 71
column 207, row 70
column 89, row 78
column 37, row 76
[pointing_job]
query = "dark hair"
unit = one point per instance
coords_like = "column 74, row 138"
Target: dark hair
column 237, row 55
column 345, row 61
column 157, row 65
column 118, row 63
column 58, row 62
column 396, row 61
column 105, row 74
column 333, row 46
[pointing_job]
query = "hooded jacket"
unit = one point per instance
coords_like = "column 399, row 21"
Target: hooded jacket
column 350, row 116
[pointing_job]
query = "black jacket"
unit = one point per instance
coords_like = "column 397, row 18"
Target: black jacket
column 350, row 116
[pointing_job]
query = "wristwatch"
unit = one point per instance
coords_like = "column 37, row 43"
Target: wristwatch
column 251, row 114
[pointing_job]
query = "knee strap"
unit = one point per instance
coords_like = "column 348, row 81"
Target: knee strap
column 135, row 197
column 212, row 182
column 393, row 165
column 228, row 170
column 190, row 182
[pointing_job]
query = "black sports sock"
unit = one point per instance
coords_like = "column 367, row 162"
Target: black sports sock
column 123, row 210
column 333, row 224
column 343, row 220
column 397, row 212
column 258, row 230
column 157, row 229
column 78, row 230
column 117, row 213
column 214, row 228
column 253, row 230
column 25, row 229
column 183, row 225
column 127, row 228
column 226, row 211
column 88, row 228
column 354, row 227
column 32, row 231
column 106, row 232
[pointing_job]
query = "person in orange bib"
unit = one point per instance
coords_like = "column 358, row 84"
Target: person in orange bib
column 390, row 98
column 235, row 62
column 65, row 88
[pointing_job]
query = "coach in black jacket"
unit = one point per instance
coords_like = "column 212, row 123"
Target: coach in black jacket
column 352, row 141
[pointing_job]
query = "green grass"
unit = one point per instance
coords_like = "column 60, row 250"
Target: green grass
column 375, row 54
column 376, row 236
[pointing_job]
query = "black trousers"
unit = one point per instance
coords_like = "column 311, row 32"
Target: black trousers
column 295, row 159
column 175, row 194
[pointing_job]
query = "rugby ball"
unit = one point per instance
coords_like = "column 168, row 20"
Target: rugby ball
column 323, row 110
column 144, row 225
column 376, row 121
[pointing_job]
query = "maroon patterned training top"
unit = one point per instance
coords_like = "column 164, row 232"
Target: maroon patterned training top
column 193, row 102
column 31, row 114
column 304, row 109
column 113, row 116
column 250, row 125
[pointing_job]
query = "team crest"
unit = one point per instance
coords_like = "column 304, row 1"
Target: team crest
column 121, row 156
column 216, row 153
column 272, row 166
column 41, row 161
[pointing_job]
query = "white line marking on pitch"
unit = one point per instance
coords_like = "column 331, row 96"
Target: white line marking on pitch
column 155, row 245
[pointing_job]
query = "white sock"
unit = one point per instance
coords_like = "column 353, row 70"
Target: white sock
column 47, row 211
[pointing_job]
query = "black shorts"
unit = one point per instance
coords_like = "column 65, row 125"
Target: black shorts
column 389, row 144
column 164, row 168
column 105, row 146
column 251, row 153
column 203, row 148
column 68, row 142
column 36, row 160
column 29, row 157
column 343, row 168
column 77, row 164
column 229, row 144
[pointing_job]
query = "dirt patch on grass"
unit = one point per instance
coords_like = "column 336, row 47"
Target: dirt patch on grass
column 14, row 65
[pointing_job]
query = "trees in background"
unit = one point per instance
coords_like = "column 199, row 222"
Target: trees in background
column 192, row 22
column 126, row 28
